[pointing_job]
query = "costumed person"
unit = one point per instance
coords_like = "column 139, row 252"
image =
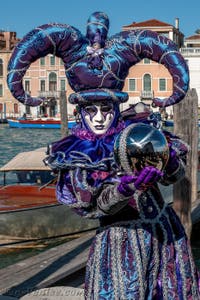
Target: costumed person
column 140, row 250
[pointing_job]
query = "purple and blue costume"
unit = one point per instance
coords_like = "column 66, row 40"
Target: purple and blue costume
column 140, row 250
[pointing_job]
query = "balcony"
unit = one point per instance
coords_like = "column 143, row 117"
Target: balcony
column 146, row 95
column 49, row 94
column 190, row 51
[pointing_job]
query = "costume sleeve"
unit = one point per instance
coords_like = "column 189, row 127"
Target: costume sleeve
column 73, row 190
column 110, row 201
column 90, row 202
column 175, row 168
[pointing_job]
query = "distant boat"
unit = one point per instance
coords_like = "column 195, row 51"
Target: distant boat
column 170, row 123
column 28, row 205
column 39, row 123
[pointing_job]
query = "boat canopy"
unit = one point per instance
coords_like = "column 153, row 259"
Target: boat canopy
column 30, row 160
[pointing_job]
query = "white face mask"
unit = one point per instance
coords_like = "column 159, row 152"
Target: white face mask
column 99, row 117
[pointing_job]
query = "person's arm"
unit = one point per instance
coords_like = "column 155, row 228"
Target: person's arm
column 114, row 197
column 175, row 168
column 73, row 190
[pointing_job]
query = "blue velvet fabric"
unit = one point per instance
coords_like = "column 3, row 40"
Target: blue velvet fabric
column 96, row 150
column 119, row 53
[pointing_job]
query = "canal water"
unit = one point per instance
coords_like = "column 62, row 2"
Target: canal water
column 16, row 140
column 12, row 142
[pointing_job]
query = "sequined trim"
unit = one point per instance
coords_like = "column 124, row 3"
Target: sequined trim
column 85, row 186
column 122, row 149
column 156, row 258
column 138, row 264
column 94, row 270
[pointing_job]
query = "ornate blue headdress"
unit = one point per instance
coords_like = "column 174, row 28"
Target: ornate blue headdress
column 96, row 73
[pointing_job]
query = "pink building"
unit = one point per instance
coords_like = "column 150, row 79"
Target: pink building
column 149, row 79
column 8, row 105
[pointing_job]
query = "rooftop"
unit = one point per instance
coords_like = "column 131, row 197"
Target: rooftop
column 194, row 37
column 149, row 23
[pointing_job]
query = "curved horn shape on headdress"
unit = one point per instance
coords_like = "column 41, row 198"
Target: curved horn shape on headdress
column 97, row 28
column 141, row 44
column 89, row 68
column 58, row 39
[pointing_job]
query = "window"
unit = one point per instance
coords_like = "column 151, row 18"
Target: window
column 1, row 108
column 131, row 84
column 42, row 85
column 27, row 110
column 147, row 82
column 1, row 90
column 1, row 67
column 52, row 81
column 147, row 61
column 162, row 84
column 52, row 60
column 62, row 85
column 27, row 86
column 42, row 61
column 61, row 62
column 16, row 110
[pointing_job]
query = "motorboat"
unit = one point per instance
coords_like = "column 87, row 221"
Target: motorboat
column 28, row 205
column 41, row 123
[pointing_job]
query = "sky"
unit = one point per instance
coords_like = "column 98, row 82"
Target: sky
column 22, row 16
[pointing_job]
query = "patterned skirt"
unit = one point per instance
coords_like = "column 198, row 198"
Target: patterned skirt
column 140, row 259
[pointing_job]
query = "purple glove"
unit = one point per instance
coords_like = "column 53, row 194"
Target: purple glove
column 142, row 181
column 173, row 162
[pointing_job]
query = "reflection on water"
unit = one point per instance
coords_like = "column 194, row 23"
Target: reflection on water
column 13, row 255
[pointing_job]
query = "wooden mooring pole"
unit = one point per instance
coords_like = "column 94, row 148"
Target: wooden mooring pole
column 186, row 127
column 63, row 114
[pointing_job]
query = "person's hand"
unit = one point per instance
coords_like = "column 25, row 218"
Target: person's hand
column 142, row 181
column 173, row 161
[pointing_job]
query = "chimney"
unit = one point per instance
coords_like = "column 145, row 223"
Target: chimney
column 177, row 23
column 7, row 39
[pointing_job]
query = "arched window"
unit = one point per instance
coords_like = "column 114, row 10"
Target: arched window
column 52, row 81
column 1, row 67
column 147, row 82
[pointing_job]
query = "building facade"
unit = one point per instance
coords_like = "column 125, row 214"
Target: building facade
column 148, row 79
column 191, row 53
column 8, row 105
column 46, row 76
